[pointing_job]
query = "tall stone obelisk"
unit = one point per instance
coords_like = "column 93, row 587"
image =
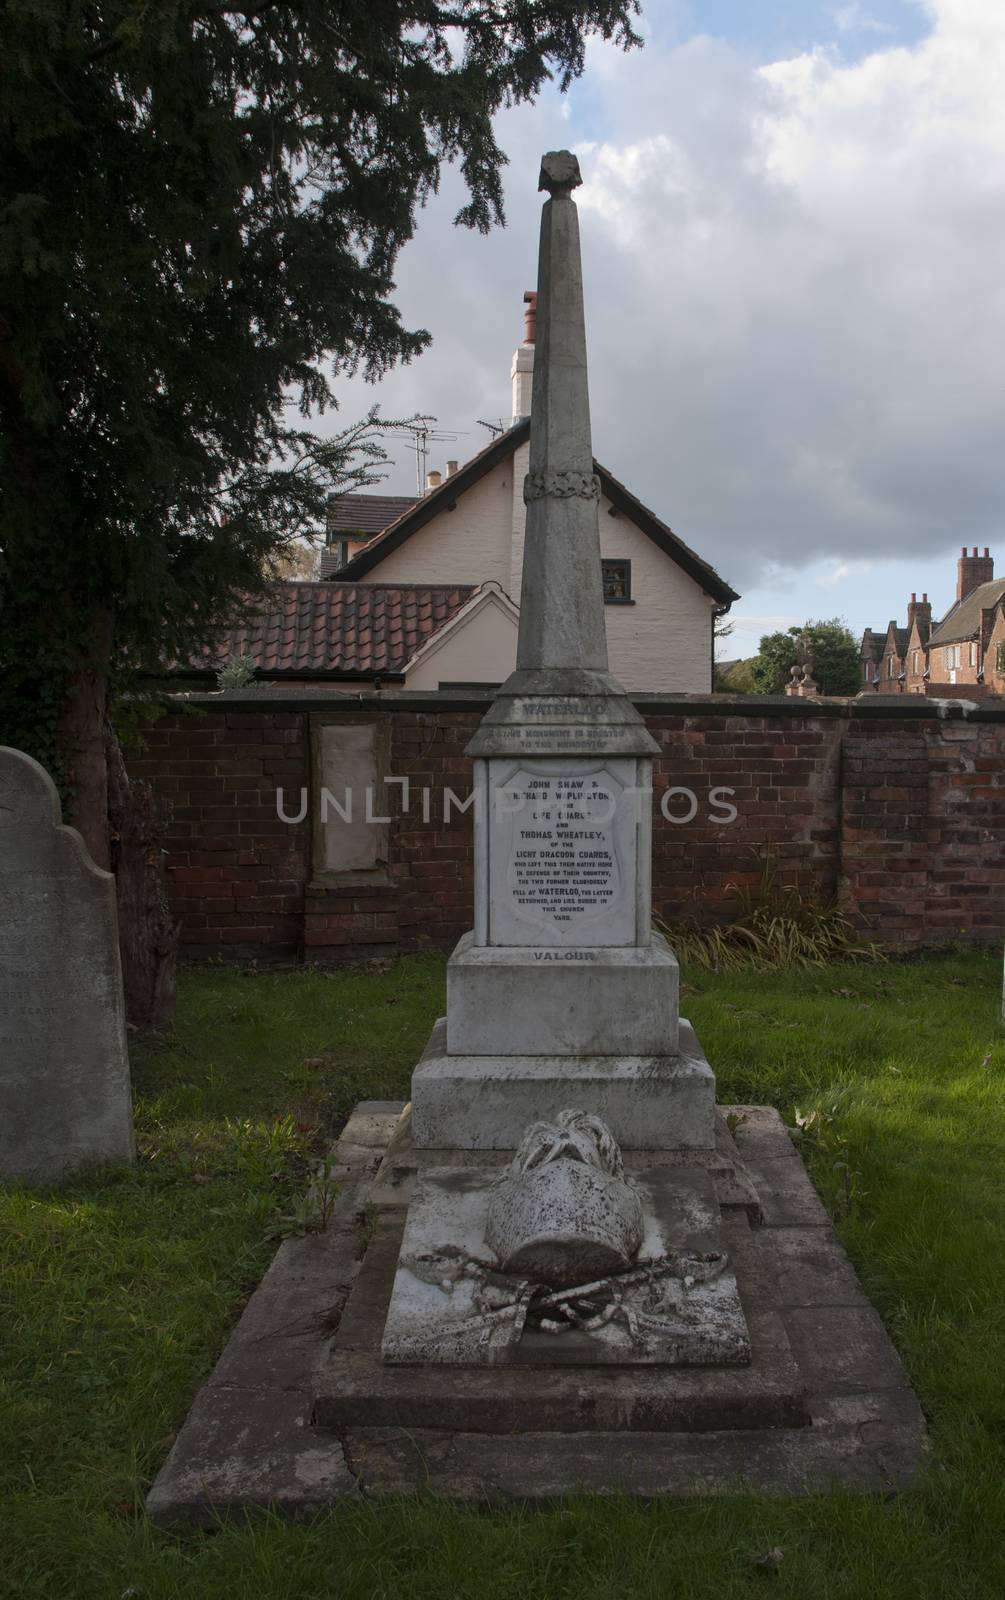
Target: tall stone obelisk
column 562, row 994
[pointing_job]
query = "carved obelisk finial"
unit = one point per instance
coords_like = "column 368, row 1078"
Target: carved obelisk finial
column 560, row 173
column 561, row 599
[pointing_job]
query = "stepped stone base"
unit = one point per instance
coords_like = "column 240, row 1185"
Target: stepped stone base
column 480, row 1102
column 356, row 1388
column 834, row 1408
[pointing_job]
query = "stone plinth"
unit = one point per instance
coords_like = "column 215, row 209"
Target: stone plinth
column 484, row 1102
column 520, row 1001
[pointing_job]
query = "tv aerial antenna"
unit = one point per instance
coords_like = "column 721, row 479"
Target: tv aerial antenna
column 422, row 436
column 495, row 428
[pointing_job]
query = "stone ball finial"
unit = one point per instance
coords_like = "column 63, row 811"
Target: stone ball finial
column 560, row 172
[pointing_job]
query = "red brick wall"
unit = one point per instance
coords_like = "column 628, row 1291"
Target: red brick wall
column 901, row 815
column 236, row 873
column 923, row 830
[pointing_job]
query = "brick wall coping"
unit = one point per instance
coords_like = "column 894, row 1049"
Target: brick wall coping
column 901, row 708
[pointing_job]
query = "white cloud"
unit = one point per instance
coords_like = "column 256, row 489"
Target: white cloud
column 855, row 19
column 795, row 286
column 840, row 571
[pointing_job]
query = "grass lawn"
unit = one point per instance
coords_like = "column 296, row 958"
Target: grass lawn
column 118, row 1294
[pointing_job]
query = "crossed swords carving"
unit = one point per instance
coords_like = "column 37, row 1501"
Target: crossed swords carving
column 508, row 1305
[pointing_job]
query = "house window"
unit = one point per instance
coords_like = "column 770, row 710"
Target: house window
column 889, row 666
column 914, row 660
column 951, row 656
column 1000, row 658
column 617, row 582
column 973, row 655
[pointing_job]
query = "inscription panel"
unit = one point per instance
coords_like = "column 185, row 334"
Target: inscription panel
column 562, row 853
column 563, row 725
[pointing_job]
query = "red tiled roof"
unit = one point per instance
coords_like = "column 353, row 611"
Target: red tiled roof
column 340, row 627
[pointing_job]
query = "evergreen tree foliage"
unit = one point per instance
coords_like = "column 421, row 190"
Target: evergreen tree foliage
column 201, row 205
column 835, row 658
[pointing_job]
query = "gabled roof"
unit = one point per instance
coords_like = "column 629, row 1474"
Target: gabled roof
column 630, row 506
column 898, row 637
column 436, row 500
column 358, row 516
column 365, row 513
column 873, row 644
column 341, row 629
column 964, row 620
column 448, row 492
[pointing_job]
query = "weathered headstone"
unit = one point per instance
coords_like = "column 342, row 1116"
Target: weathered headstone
column 65, row 1098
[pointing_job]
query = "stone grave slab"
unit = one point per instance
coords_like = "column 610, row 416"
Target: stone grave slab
column 678, row 1306
column 357, row 1388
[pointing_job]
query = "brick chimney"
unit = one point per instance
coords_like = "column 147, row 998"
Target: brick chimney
column 972, row 570
column 522, row 370
column 920, row 610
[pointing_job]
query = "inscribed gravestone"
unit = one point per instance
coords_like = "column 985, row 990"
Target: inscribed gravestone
column 64, row 1071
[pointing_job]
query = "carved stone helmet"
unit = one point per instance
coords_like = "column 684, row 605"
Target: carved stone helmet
column 563, row 1212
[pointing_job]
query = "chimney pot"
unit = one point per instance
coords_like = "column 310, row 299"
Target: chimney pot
column 451, row 468
column 963, row 550
column 914, row 597
column 432, row 480
column 973, row 570
column 530, row 316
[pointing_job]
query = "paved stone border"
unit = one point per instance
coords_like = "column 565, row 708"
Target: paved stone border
column 248, row 1440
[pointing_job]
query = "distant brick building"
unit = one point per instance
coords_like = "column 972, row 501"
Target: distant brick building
column 961, row 656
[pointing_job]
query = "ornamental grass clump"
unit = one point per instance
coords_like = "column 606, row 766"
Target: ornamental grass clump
column 774, row 930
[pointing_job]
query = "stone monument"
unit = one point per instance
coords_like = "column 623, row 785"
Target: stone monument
column 562, row 993
column 572, row 1279
column 64, row 1070
column 562, row 1040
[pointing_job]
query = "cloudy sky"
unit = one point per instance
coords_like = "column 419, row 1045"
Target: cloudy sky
column 793, row 228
